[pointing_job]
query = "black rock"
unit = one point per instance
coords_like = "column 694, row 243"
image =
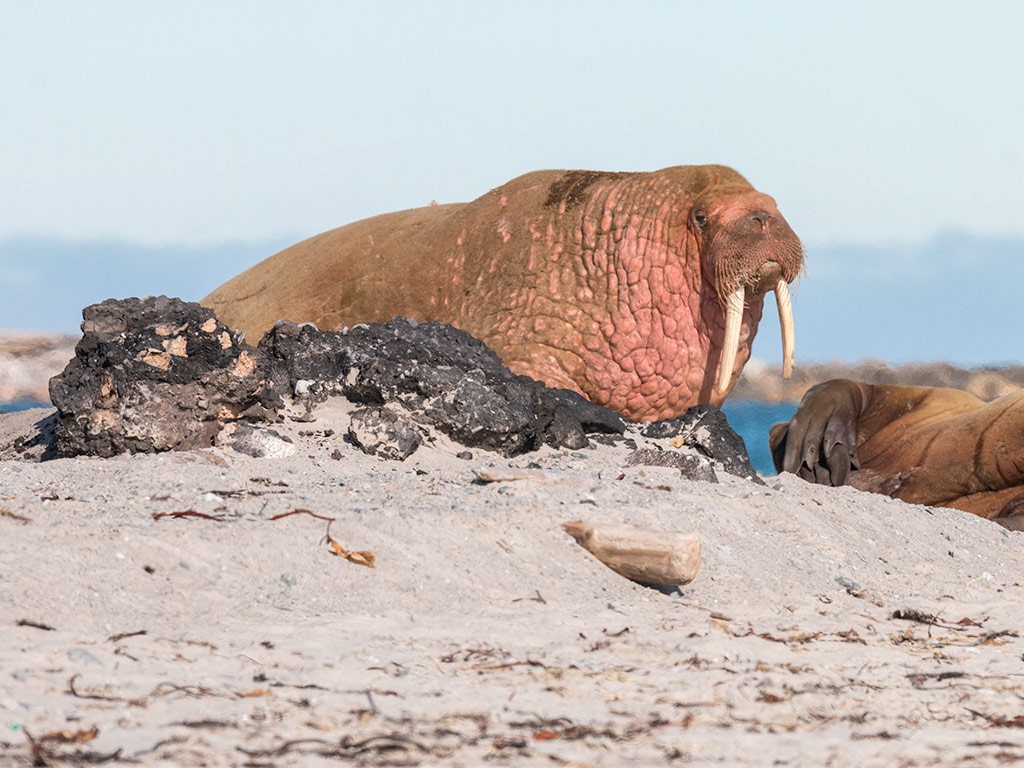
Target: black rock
column 153, row 374
column 160, row 374
column 444, row 377
column 385, row 433
column 705, row 428
column 690, row 466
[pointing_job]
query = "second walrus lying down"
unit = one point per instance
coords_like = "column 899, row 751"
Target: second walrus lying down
column 642, row 291
column 926, row 445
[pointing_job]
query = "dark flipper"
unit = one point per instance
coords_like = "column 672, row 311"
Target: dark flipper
column 819, row 444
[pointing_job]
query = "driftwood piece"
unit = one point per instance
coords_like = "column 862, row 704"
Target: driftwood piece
column 640, row 554
column 485, row 475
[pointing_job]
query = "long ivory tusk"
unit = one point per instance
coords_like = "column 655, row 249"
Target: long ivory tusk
column 733, row 321
column 785, row 305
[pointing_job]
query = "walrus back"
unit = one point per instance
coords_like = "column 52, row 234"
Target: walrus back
column 362, row 272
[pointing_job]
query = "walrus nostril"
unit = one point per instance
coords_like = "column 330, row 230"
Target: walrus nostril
column 761, row 217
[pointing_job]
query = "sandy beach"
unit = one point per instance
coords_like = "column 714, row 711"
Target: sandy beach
column 330, row 331
column 166, row 610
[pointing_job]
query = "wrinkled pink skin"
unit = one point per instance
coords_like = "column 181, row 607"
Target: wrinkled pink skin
column 601, row 283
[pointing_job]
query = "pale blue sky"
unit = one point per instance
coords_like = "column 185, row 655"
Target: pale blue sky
column 200, row 121
column 171, row 124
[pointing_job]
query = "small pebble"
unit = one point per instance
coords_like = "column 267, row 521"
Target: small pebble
column 82, row 656
column 847, row 584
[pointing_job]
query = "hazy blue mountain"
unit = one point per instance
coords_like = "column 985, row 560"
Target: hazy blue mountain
column 955, row 297
column 45, row 282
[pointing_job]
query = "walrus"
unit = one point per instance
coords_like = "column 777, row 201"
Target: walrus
column 642, row 291
column 926, row 445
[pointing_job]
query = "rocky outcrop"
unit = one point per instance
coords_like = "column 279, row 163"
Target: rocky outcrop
column 160, row 374
column 154, row 374
column 690, row 466
column 705, row 429
column 442, row 376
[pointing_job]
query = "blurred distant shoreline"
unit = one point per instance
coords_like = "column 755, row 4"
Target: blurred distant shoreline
column 763, row 381
column 28, row 361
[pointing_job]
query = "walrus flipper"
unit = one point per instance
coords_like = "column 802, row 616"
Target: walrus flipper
column 925, row 445
column 819, row 444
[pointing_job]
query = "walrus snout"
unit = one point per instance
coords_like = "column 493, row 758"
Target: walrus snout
column 752, row 251
column 765, row 278
column 764, row 260
column 734, row 304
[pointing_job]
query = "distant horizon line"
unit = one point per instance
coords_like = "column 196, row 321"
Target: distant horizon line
column 296, row 237
column 24, row 334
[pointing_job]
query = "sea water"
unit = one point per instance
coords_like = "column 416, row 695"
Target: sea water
column 22, row 404
column 750, row 418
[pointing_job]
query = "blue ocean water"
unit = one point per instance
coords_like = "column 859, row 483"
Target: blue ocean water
column 750, row 418
column 21, row 405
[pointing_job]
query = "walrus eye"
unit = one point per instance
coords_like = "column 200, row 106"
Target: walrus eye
column 700, row 218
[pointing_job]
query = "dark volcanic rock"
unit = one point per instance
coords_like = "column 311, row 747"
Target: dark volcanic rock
column 160, row 374
column 691, row 467
column 443, row 376
column 153, row 374
column 705, row 428
column 382, row 432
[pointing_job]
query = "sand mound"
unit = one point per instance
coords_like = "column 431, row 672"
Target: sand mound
column 826, row 627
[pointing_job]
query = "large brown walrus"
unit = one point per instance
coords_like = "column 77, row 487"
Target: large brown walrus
column 642, row 291
column 925, row 445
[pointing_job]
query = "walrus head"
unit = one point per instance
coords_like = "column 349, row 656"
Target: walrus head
column 678, row 263
column 747, row 249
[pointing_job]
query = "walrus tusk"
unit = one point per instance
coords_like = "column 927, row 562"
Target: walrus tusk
column 785, row 304
column 733, row 321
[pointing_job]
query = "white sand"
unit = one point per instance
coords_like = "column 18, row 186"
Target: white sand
column 485, row 634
